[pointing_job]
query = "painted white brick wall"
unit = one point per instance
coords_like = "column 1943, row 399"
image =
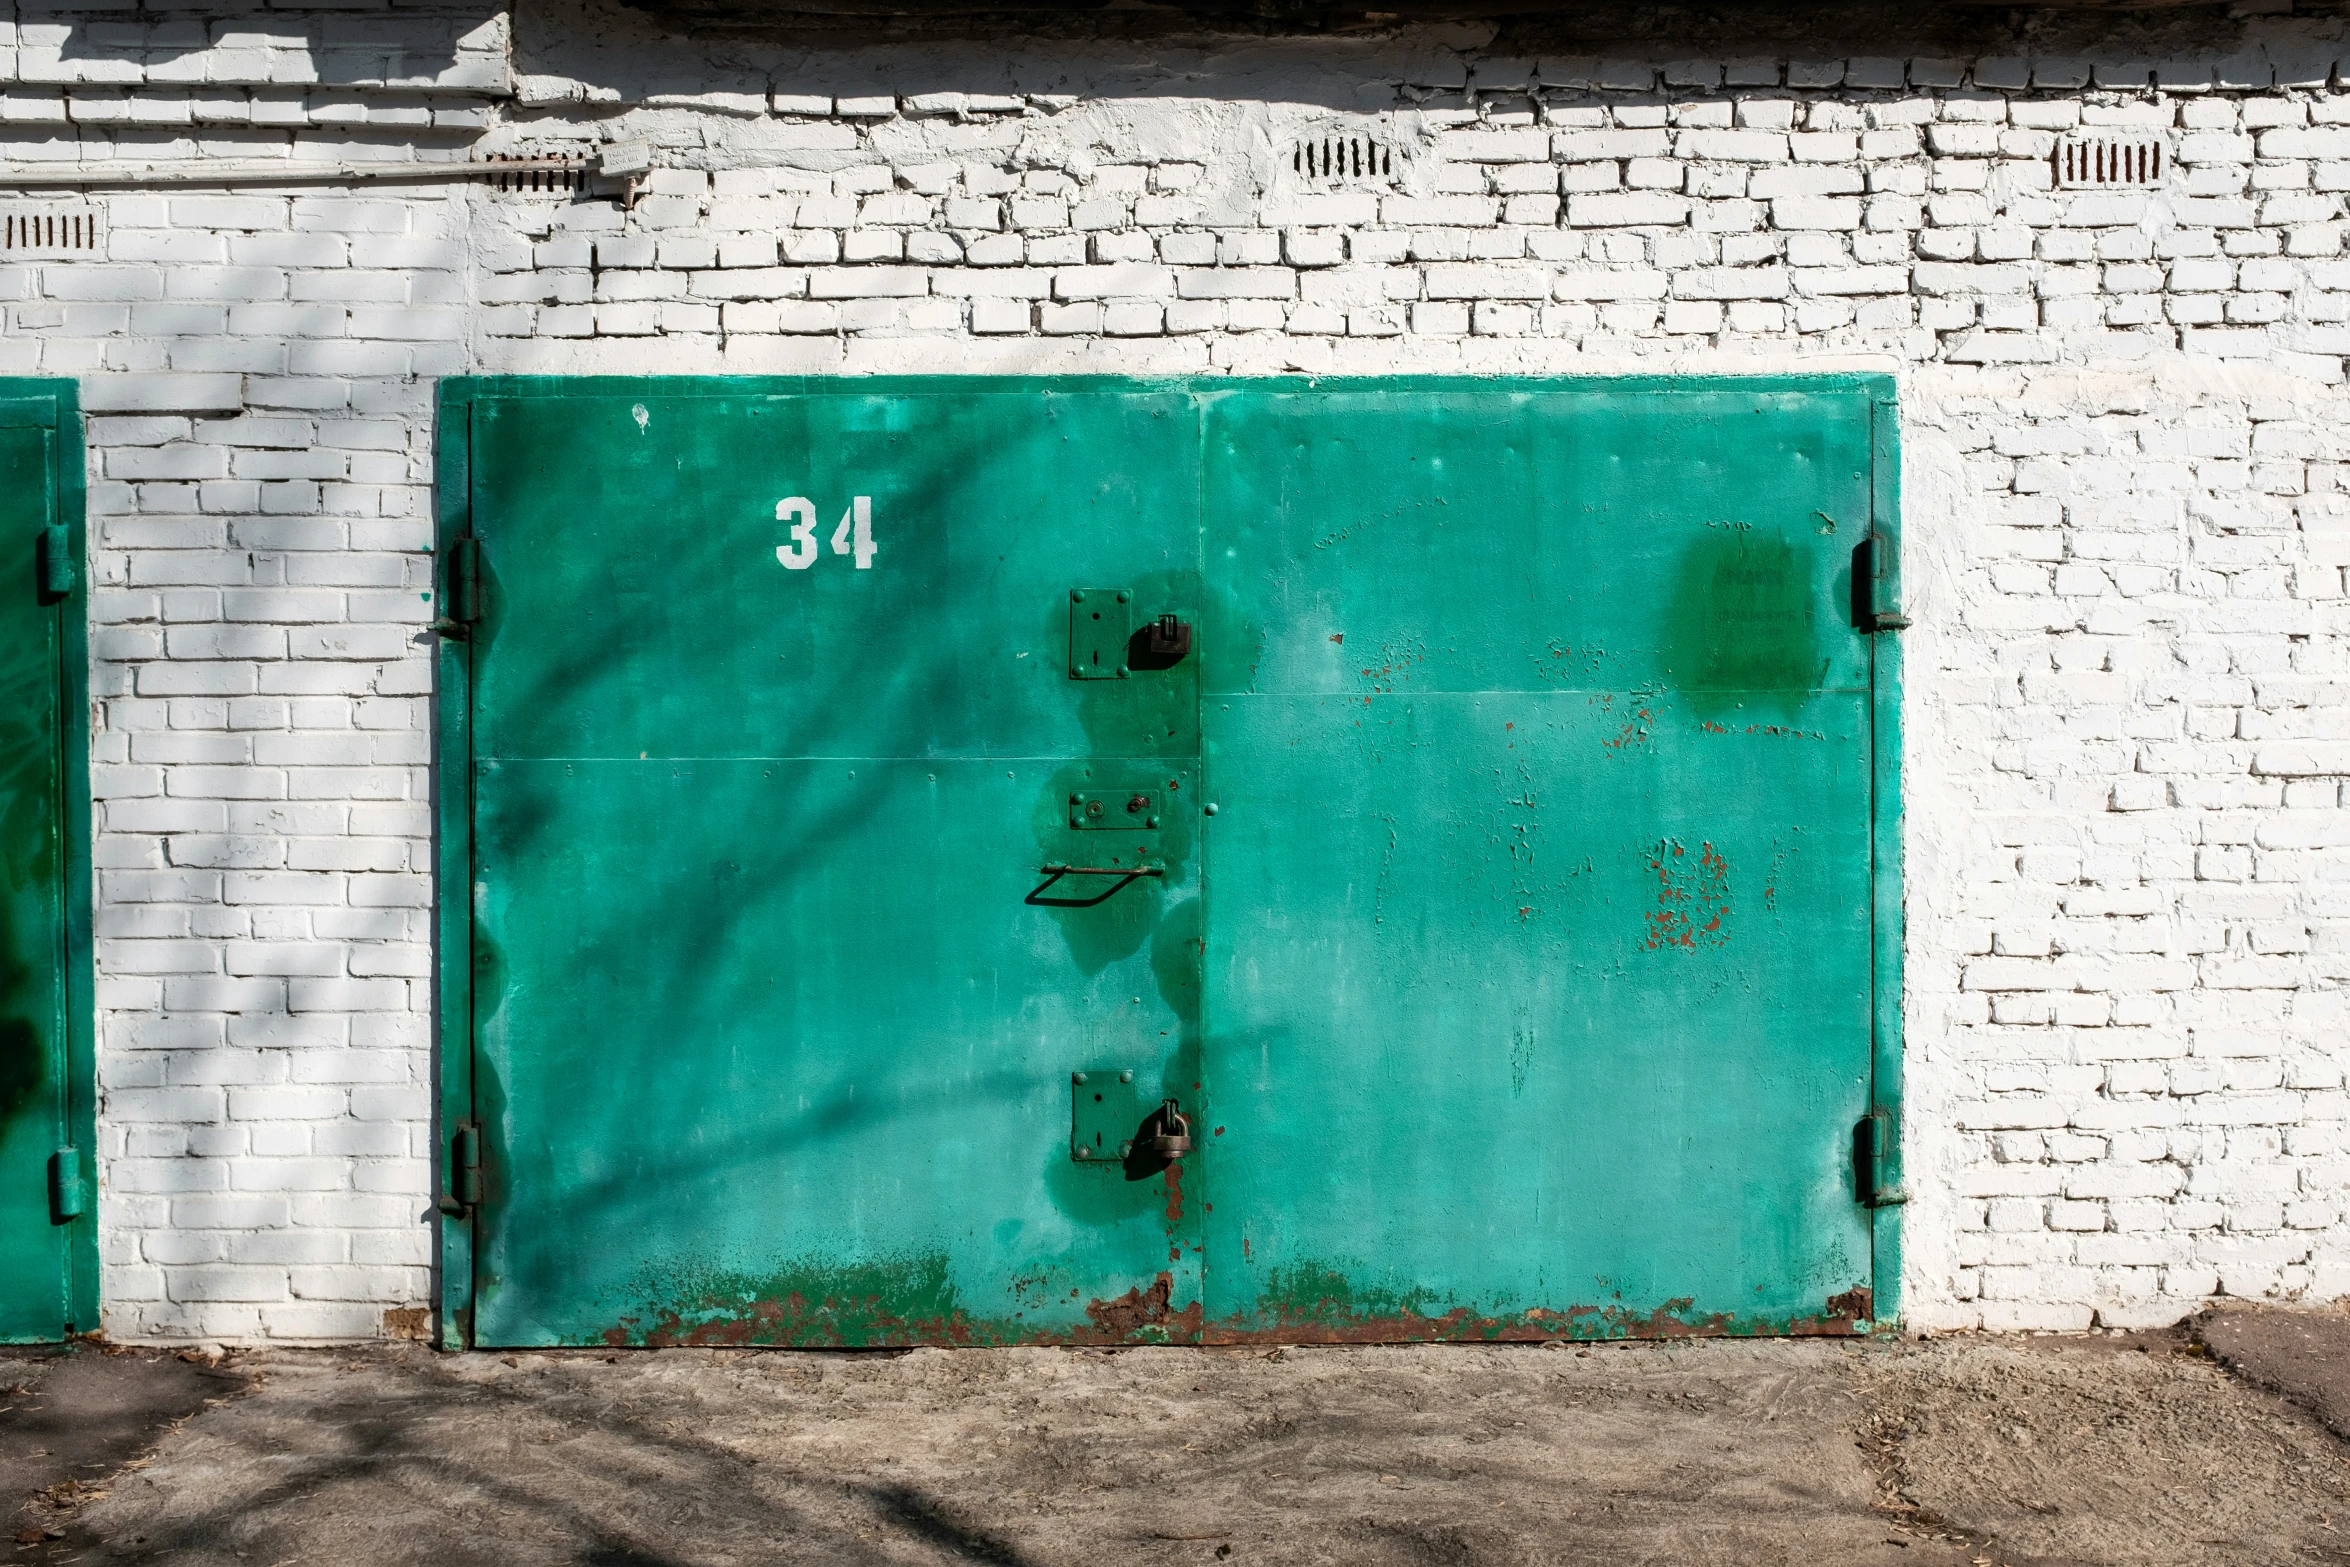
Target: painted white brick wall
column 2127, row 500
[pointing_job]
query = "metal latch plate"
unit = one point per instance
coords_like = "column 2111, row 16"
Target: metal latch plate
column 1101, row 623
column 1098, row 810
column 1105, row 1111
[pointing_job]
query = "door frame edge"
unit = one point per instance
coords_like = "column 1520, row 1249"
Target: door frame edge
column 1887, row 924
column 452, row 823
column 86, row 1300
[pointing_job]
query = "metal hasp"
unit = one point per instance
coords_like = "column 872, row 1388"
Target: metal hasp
column 1161, row 643
column 48, row 1198
column 1102, row 810
column 1101, row 623
column 1513, row 953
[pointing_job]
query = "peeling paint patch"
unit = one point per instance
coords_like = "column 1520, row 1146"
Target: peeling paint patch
column 1693, row 897
column 1857, row 1304
column 911, row 1302
column 1563, row 664
column 1144, row 1314
column 1394, row 667
column 1308, row 1304
column 1635, row 730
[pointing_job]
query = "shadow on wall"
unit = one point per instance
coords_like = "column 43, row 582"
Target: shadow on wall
column 727, row 54
column 601, row 57
column 452, row 49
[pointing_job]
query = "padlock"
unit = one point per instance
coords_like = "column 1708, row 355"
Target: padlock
column 1167, row 639
column 1171, row 1134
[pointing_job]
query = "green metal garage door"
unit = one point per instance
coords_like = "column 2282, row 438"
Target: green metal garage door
column 48, row 1256
column 1091, row 861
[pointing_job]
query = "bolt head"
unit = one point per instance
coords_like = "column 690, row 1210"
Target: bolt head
column 1123, row 595
column 1084, row 1153
column 1076, row 595
column 1211, row 807
column 1076, row 1077
column 1126, row 1076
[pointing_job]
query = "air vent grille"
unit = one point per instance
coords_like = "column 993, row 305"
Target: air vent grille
column 1340, row 159
column 2097, row 162
column 51, row 230
column 541, row 180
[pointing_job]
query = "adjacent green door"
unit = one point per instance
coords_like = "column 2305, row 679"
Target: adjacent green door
column 1539, row 979
column 48, row 1273
column 877, row 799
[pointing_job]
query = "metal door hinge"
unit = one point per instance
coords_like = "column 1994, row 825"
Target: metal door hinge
column 1881, row 602
column 464, row 1171
column 56, row 573
column 69, row 1193
column 1876, row 1162
column 461, row 600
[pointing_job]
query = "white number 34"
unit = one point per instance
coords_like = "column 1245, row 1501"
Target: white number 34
column 854, row 535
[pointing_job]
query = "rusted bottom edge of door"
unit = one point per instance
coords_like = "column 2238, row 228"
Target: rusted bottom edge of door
column 1147, row 1314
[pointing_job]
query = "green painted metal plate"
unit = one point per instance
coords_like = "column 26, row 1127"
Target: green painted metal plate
column 48, row 1285
column 1134, row 808
column 1106, row 1117
column 1101, row 623
column 1513, row 938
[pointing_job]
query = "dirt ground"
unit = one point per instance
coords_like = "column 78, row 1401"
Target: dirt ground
column 2021, row 1452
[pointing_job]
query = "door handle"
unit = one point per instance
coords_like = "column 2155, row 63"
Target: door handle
column 1053, row 873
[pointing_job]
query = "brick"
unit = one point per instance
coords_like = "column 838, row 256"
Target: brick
column 1125, row 279
column 1488, row 282
column 868, row 283
column 1627, row 211
column 1732, row 146
column 1235, row 283
column 1610, row 145
column 163, row 393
